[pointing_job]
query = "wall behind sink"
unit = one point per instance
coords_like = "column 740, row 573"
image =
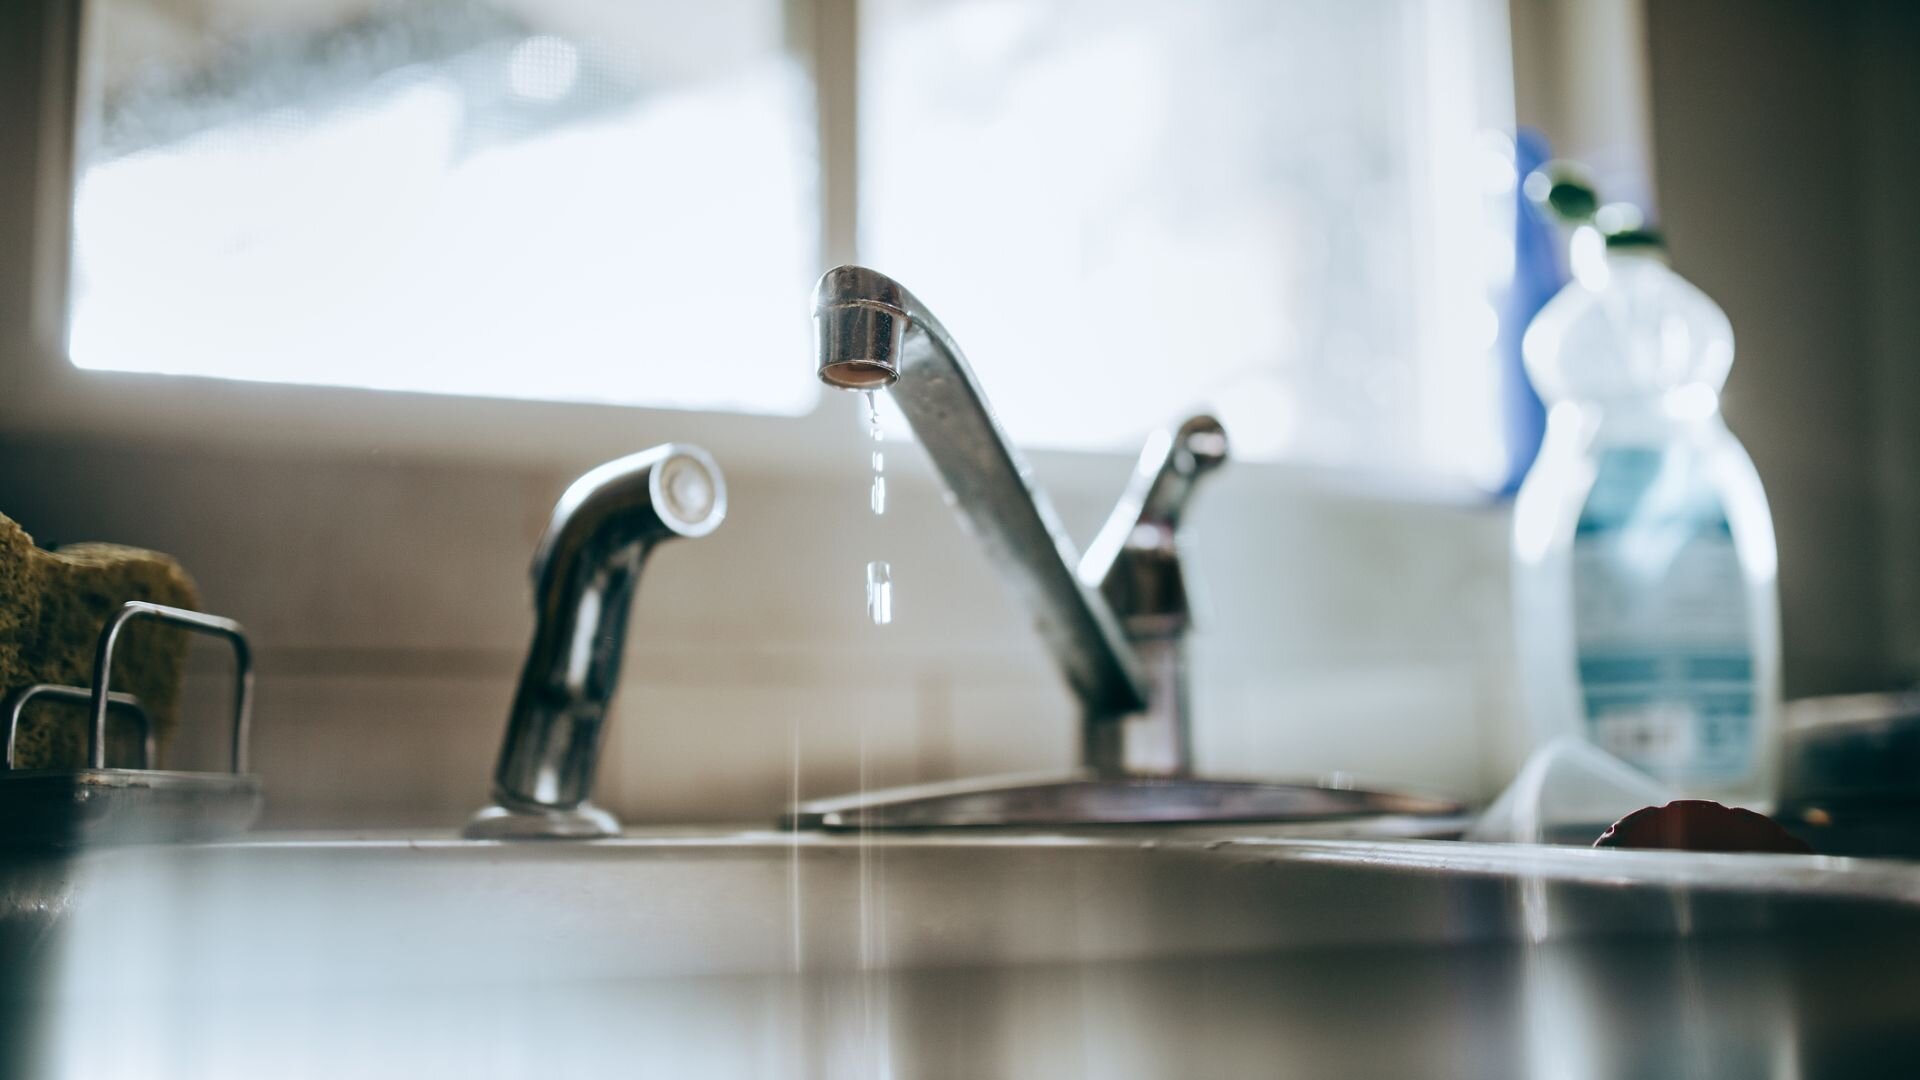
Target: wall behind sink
column 1344, row 631
column 1786, row 146
column 390, row 606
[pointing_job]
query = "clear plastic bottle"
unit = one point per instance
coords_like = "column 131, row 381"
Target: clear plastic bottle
column 1647, row 613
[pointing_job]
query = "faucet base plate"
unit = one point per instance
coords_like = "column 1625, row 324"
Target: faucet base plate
column 1090, row 799
column 583, row 822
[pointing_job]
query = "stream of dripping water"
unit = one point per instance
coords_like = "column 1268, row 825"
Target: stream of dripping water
column 795, row 929
column 870, row 940
column 879, row 573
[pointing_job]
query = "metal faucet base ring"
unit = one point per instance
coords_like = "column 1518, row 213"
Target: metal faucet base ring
column 583, row 822
column 1086, row 799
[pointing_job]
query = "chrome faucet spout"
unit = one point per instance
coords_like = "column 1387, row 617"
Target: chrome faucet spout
column 1118, row 627
column 861, row 319
column 872, row 333
column 585, row 571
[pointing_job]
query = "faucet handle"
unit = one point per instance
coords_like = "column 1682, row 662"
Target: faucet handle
column 1135, row 561
column 1171, row 463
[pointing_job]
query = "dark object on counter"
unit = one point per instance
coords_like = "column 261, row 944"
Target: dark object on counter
column 53, row 605
column 1699, row 825
column 1850, row 780
column 102, row 803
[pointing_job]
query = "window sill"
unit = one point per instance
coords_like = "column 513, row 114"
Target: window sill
column 273, row 419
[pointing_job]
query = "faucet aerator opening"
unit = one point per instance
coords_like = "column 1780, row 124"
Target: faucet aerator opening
column 859, row 324
column 858, row 374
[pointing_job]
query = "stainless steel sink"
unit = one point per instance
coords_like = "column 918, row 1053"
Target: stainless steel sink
column 1111, row 953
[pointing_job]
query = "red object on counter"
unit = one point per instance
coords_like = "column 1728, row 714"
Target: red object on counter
column 1699, row 825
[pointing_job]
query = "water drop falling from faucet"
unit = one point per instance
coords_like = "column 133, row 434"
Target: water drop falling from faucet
column 879, row 572
column 877, row 496
column 880, row 592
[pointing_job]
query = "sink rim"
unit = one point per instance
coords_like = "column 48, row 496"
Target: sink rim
column 1882, row 879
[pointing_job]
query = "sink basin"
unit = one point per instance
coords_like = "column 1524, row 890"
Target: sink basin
column 1115, row 953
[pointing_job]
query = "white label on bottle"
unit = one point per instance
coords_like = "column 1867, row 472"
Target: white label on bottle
column 1665, row 666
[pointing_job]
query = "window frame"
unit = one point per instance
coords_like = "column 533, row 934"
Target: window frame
column 49, row 395
column 44, row 394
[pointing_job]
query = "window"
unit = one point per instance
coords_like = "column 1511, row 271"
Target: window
column 1290, row 211
column 510, row 198
column 1140, row 207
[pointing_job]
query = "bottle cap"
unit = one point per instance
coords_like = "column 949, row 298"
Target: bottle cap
column 1644, row 239
column 1562, row 189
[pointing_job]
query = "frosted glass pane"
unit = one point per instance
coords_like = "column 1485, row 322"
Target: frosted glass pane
column 1127, row 208
column 597, row 200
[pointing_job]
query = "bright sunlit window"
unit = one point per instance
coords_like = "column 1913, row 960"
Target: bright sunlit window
column 1294, row 212
column 586, row 202
column 1290, row 212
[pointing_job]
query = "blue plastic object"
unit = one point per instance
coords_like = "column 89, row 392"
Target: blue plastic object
column 1538, row 273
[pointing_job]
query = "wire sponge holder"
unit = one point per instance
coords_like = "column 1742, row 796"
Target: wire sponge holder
column 102, row 804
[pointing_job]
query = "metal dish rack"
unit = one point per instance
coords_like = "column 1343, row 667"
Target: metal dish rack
column 98, row 804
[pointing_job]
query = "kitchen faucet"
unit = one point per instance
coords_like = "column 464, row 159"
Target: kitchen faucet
column 585, row 570
column 1116, row 624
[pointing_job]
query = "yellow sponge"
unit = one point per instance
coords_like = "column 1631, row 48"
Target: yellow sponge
column 53, row 605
